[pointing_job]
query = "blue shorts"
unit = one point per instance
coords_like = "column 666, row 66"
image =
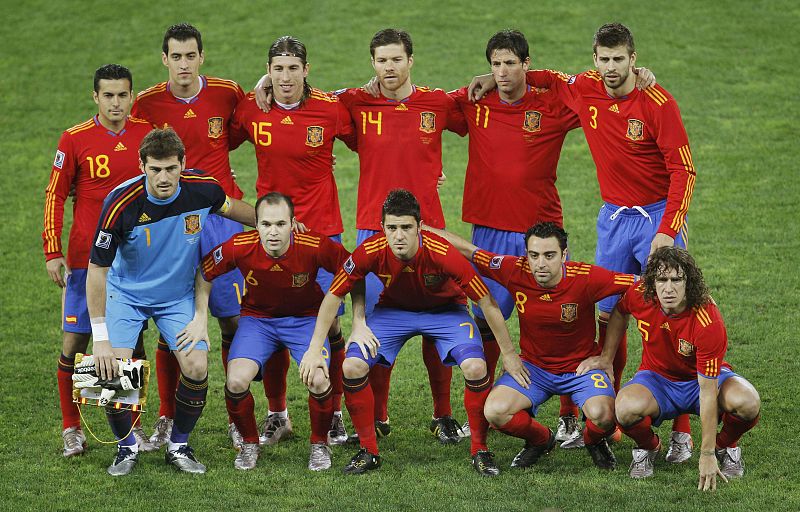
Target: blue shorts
column 258, row 338
column 226, row 290
column 623, row 240
column 545, row 384
column 674, row 398
column 498, row 242
column 325, row 278
column 76, row 315
column 448, row 327
column 374, row 286
column 125, row 322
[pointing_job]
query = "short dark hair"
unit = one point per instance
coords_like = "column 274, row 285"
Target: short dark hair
column 112, row 72
column 391, row 36
column 291, row 47
column 508, row 39
column 276, row 198
column 161, row 143
column 669, row 258
column 612, row 35
column 547, row 230
column 181, row 32
column 401, row 202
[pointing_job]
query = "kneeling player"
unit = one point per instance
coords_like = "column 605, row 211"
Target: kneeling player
column 682, row 369
column 278, row 310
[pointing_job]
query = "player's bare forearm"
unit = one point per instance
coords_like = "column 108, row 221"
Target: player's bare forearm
column 96, row 290
column 494, row 317
column 464, row 247
column 359, row 300
column 241, row 212
column 707, row 464
column 325, row 317
column 617, row 325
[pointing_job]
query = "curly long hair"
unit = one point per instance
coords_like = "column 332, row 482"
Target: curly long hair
column 665, row 259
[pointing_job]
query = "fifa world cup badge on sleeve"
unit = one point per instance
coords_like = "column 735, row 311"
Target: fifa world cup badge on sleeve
column 496, row 262
column 59, row 161
column 126, row 391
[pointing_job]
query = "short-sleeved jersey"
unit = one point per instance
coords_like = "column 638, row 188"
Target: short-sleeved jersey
column 437, row 276
column 400, row 146
column 277, row 287
column 294, row 151
column 151, row 244
column 201, row 122
column 513, row 155
column 556, row 325
column 95, row 160
column 638, row 143
column 678, row 347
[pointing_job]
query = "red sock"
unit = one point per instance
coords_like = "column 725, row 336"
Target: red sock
column 241, row 409
column 226, row 349
column 524, row 426
column 641, row 432
column 167, row 372
column 439, row 376
column 361, row 405
column 620, row 358
column 593, row 434
column 568, row 407
column 320, row 410
column 475, row 393
column 379, row 380
column 681, row 424
column 70, row 417
column 492, row 352
column 275, row 371
column 335, row 371
column 733, row 427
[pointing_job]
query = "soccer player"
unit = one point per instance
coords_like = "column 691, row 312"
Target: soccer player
column 683, row 368
column 278, row 310
column 554, row 299
column 294, row 150
column 426, row 285
column 93, row 157
column 199, row 109
column 143, row 265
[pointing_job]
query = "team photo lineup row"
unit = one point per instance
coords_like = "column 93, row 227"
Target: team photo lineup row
column 134, row 242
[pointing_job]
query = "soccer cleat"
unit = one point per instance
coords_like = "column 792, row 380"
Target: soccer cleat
column 531, row 453
column 569, row 432
column 161, row 432
column 141, row 439
column 382, row 428
column 465, row 432
column 602, row 456
column 730, row 462
column 124, row 461
column 74, row 442
column 362, row 462
column 247, row 457
column 183, row 459
column 680, row 447
column 483, row 462
column 275, row 429
column 236, row 437
column 320, row 457
column 446, row 429
column 642, row 463
column 337, row 435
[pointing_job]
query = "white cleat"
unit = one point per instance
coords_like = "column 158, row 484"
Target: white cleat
column 680, row 448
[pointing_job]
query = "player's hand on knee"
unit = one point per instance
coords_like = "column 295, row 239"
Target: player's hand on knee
column 479, row 86
column 194, row 332
column 312, row 360
column 709, row 471
column 596, row 363
column 54, row 270
column 644, row 78
column 513, row 365
column 263, row 93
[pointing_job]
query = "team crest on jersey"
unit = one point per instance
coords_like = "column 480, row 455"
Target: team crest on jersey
column 191, row 224
column 103, row 240
column 217, row 255
column 299, row 280
column 215, row 127
column 533, row 121
column 496, row 262
column 569, row 312
column 432, row 279
column 314, row 136
column 635, row 130
column 427, row 122
column 349, row 265
column 59, row 161
column 685, row 348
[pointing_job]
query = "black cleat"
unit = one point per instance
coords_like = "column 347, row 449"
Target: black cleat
column 446, row 430
column 362, row 462
column 483, row 462
column 531, row 453
column 602, row 456
column 382, row 429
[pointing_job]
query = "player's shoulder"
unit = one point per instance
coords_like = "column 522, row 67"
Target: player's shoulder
column 308, row 239
column 195, row 178
column 707, row 315
column 577, row 268
column 217, row 83
column 320, row 95
column 246, row 238
column 122, row 196
column 435, row 243
column 81, row 127
column 656, row 95
column 152, row 92
column 137, row 122
column 374, row 244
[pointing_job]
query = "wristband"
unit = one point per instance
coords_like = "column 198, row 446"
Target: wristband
column 99, row 329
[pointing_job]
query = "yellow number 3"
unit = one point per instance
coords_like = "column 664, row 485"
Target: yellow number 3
column 599, row 381
column 593, row 120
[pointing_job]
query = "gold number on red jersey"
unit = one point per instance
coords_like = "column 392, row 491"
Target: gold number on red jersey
column 599, row 381
column 471, row 328
column 367, row 118
column 641, row 325
column 98, row 166
column 239, row 293
column 478, row 115
column 593, row 120
column 250, row 279
column 259, row 131
column 387, row 278
column 520, row 300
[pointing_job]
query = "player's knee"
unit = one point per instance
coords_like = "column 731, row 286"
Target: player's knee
column 194, row 369
column 497, row 412
column 628, row 410
column 73, row 343
column 600, row 412
column 473, row 368
column 743, row 400
column 354, row 368
column 319, row 382
column 237, row 382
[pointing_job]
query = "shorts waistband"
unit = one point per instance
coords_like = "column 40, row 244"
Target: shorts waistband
column 635, row 210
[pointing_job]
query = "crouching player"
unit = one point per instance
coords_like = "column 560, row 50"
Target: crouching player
column 279, row 306
column 682, row 371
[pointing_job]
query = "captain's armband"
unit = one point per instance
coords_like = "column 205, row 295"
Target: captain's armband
column 226, row 206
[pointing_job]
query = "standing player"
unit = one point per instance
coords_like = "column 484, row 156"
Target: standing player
column 426, row 285
column 144, row 265
column 199, row 109
column 92, row 157
column 278, row 310
column 683, row 368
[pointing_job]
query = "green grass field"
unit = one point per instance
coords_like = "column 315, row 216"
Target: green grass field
column 729, row 65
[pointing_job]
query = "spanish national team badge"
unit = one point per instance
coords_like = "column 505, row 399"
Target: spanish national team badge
column 215, row 127
column 299, row 280
column 432, row 279
column 685, row 348
column 314, row 136
column 191, row 224
column 533, row 121
column 635, row 130
column 569, row 312
column 427, row 122
column 496, row 262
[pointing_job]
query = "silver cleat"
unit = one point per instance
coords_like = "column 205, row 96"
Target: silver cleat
column 124, row 461
column 642, row 463
column 74, row 442
column 569, row 432
column 320, row 457
column 680, row 447
column 337, row 435
column 183, row 459
column 161, row 432
column 236, row 437
column 730, row 462
column 247, row 457
column 275, row 429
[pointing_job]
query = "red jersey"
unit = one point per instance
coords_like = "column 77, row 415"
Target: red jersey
column 513, row 155
column 638, row 143
column 435, row 277
column 294, row 151
column 277, row 287
column 556, row 325
column 95, row 160
column 400, row 146
column 201, row 122
column 680, row 346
